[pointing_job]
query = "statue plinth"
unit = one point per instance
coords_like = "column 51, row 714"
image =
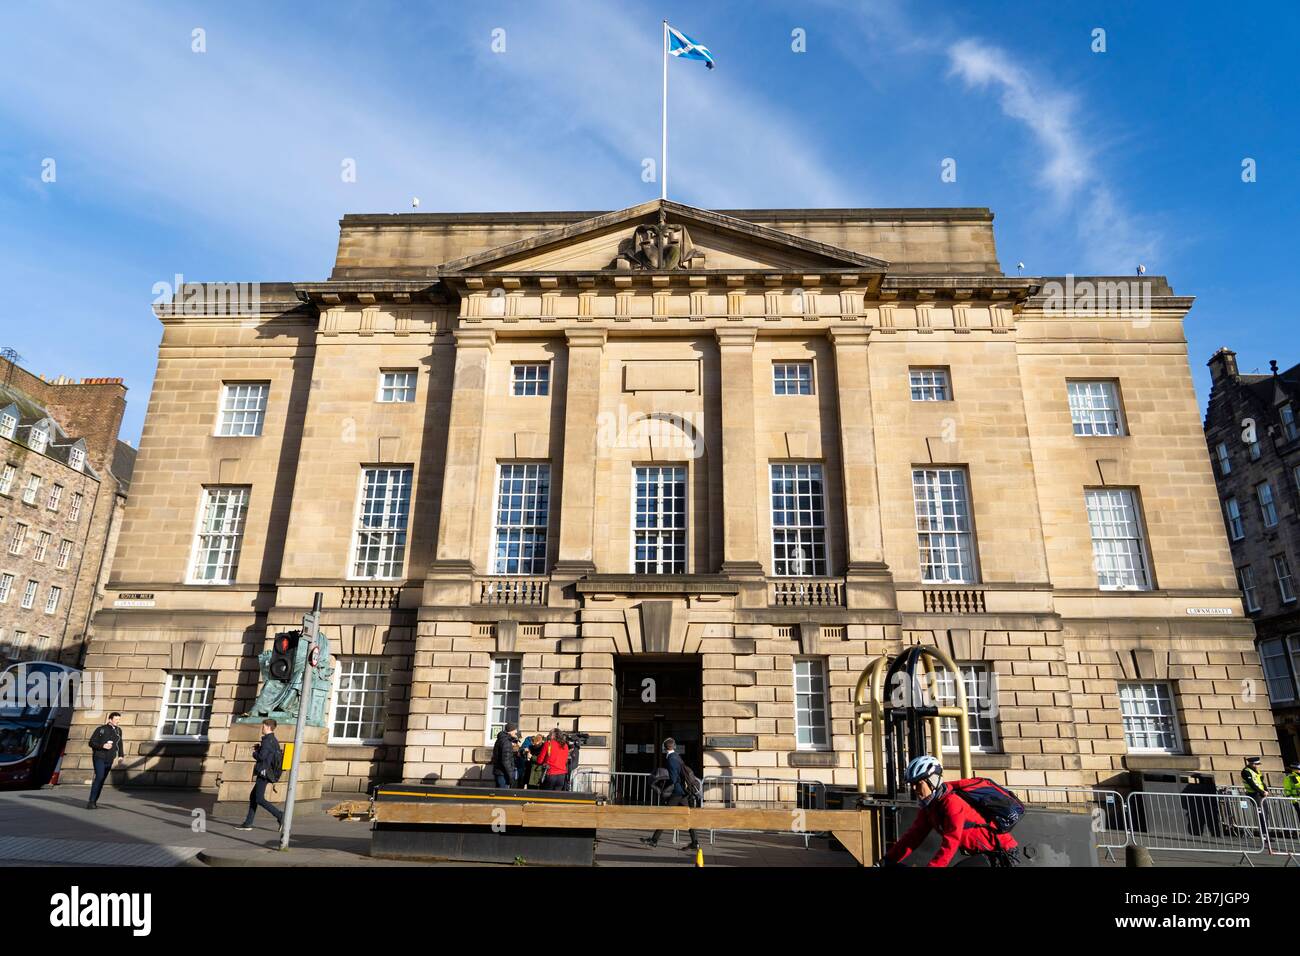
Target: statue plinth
column 237, row 764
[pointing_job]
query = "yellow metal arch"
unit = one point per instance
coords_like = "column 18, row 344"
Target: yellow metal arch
column 869, row 712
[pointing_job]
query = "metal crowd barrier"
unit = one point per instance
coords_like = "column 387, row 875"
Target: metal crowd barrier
column 1229, row 822
column 1196, row 822
column 623, row 789
column 1110, row 822
column 763, row 793
column 1282, row 827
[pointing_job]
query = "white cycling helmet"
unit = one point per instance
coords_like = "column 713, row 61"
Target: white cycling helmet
column 922, row 768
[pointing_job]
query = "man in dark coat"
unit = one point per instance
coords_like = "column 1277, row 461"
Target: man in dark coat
column 266, row 769
column 503, row 757
column 105, row 747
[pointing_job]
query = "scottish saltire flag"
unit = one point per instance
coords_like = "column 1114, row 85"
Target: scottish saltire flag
column 679, row 44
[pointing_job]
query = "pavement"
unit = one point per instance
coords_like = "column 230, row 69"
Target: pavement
column 52, row 827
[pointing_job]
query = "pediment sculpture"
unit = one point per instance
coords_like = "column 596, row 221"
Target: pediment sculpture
column 658, row 246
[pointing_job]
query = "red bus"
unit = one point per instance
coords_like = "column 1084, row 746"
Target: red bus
column 36, row 704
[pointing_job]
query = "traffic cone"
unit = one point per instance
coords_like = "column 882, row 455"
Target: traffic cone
column 699, row 856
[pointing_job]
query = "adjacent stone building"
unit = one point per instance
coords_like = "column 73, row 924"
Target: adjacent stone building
column 1254, row 442
column 63, row 483
column 669, row 471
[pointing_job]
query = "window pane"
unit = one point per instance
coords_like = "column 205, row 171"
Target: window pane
column 1118, row 551
column 798, row 521
column 1148, row 715
column 659, row 520
column 530, row 378
column 943, row 526
column 1273, row 657
column 380, row 548
column 243, row 408
column 792, row 378
column 1094, row 408
column 359, row 700
column 810, row 704
column 929, row 384
column 187, row 707
column 397, row 386
column 522, row 519
column 977, row 681
column 503, row 706
column 221, row 533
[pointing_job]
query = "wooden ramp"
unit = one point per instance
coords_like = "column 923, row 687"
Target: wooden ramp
column 855, row 829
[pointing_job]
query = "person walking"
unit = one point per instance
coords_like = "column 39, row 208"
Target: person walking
column 503, row 757
column 554, row 759
column 679, row 787
column 105, row 748
column 266, row 770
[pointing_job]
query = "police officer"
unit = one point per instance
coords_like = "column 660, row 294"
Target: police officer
column 1253, row 782
column 1291, row 785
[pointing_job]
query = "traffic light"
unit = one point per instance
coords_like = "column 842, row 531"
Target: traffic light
column 284, row 653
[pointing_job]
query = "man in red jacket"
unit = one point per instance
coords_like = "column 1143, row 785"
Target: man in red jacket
column 958, row 823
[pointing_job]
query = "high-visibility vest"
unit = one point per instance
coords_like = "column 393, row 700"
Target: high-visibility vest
column 1292, row 784
column 1253, row 780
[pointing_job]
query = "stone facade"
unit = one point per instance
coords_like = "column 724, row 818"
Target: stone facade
column 75, row 507
column 674, row 369
column 1253, row 406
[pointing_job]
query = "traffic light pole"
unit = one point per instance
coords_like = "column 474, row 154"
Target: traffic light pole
column 310, row 625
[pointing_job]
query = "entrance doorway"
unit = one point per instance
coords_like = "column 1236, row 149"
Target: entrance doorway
column 658, row 697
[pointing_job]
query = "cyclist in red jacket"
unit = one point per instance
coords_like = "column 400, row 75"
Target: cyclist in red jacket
column 960, row 825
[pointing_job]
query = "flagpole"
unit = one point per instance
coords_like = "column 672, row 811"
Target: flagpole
column 663, row 146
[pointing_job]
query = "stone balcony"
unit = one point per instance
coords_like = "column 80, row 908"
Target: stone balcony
column 805, row 592
column 511, row 589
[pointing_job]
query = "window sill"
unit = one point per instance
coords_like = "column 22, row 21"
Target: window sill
column 355, row 749
column 1158, row 760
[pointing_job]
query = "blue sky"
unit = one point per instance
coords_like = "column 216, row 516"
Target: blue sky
column 225, row 165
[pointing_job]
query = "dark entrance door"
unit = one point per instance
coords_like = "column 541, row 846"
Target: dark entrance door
column 658, row 697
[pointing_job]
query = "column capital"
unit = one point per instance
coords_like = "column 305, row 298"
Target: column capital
column 736, row 338
column 586, row 338
column 848, row 337
column 475, row 338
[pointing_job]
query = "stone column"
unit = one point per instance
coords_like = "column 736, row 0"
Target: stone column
column 578, row 478
column 741, row 498
column 462, row 469
column 864, row 540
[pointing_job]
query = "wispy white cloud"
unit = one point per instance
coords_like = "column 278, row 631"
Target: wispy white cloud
column 731, row 143
column 1112, row 239
column 249, row 137
column 1047, row 113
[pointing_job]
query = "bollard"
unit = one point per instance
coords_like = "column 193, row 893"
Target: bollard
column 1137, row 856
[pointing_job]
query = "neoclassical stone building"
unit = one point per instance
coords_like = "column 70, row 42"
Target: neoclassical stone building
column 674, row 471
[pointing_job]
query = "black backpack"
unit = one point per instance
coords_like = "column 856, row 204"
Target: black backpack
column 273, row 768
column 1000, row 808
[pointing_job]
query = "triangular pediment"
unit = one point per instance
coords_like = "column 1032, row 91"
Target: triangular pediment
column 712, row 242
